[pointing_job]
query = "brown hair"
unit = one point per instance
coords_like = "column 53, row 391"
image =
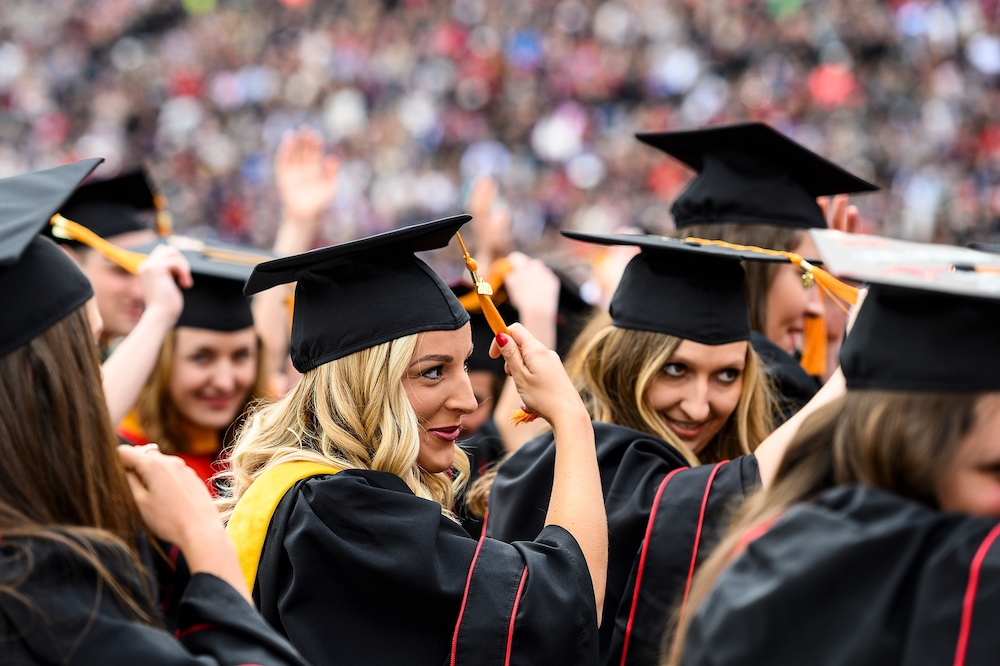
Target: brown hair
column 613, row 367
column 897, row 441
column 61, row 478
column 759, row 275
column 159, row 416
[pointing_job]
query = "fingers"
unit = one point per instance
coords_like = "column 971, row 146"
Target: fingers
column 139, row 491
column 824, row 205
column 510, row 350
column 852, row 220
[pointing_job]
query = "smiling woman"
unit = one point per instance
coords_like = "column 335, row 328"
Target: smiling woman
column 208, row 371
column 340, row 494
column 676, row 391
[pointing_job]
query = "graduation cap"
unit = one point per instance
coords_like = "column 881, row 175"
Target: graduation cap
column 689, row 290
column 363, row 293
column 111, row 207
column 751, row 173
column 216, row 301
column 930, row 320
column 39, row 284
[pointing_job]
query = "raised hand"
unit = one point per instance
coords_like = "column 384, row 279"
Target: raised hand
column 838, row 214
column 534, row 291
column 539, row 377
column 306, row 178
column 159, row 276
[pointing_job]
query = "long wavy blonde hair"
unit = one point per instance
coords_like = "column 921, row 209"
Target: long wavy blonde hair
column 351, row 413
column 613, row 367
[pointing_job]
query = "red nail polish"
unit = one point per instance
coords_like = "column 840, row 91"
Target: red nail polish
column 501, row 339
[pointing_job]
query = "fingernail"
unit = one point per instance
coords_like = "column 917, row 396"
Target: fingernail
column 502, row 339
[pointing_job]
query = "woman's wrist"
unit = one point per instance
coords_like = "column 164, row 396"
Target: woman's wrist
column 570, row 419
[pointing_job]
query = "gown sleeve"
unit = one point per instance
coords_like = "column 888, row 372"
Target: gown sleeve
column 61, row 615
column 957, row 604
column 632, row 466
column 356, row 569
column 691, row 508
column 859, row 576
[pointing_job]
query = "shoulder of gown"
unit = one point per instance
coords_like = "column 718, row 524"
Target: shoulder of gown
column 861, row 576
column 686, row 516
column 357, row 569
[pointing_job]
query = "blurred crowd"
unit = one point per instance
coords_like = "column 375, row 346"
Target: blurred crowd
column 417, row 97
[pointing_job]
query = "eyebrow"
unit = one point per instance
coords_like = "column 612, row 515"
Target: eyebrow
column 443, row 358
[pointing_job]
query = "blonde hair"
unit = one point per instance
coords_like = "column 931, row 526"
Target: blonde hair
column 351, row 413
column 613, row 368
column 157, row 413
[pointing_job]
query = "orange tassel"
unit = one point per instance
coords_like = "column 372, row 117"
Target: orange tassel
column 69, row 230
column 494, row 276
column 814, row 346
column 484, row 291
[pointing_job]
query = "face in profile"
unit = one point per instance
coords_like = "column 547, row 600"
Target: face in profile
column 698, row 389
column 212, row 375
column 971, row 481
column 789, row 303
column 438, row 387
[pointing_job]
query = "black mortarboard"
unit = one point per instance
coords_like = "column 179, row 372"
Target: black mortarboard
column 687, row 290
column 363, row 293
column 111, row 207
column 931, row 317
column 39, row 284
column 753, row 174
column 216, row 301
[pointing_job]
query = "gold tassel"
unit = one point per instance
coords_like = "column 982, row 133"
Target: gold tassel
column 484, row 292
column 840, row 292
column 70, row 230
column 494, row 276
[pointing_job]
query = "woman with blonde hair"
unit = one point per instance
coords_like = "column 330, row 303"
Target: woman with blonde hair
column 340, row 493
column 676, row 392
column 876, row 542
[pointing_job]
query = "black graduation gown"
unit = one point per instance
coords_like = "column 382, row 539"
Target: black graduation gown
column 355, row 569
column 485, row 448
column 684, row 526
column 68, row 620
column 793, row 385
column 861, row 576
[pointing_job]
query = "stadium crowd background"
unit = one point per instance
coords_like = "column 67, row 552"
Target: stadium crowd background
column 419, row 96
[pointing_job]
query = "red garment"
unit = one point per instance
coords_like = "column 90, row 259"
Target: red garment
column 205, row 465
